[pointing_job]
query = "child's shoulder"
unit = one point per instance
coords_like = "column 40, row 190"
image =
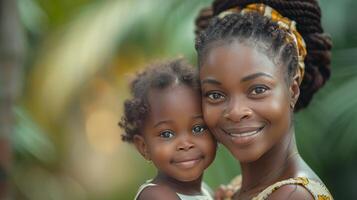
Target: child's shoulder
column 157, row 192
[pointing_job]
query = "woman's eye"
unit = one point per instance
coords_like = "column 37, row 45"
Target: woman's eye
column 197, row 129
column 214, row 96
column 259, row 90
column 166, row 134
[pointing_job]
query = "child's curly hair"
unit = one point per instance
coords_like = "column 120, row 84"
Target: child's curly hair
column 157, row 76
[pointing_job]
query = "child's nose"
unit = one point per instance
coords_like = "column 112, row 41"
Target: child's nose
column 185, row 144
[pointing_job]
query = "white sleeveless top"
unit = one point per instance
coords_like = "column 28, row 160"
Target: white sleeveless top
column 205, row 190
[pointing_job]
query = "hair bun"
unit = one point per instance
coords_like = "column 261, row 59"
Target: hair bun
column 317, row 66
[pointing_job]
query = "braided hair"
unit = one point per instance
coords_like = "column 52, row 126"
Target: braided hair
column 257, row 28
column 157, row 76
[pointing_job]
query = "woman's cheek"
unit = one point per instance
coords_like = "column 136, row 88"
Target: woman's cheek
column 278, row 107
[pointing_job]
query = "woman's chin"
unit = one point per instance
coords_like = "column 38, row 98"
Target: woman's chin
column 247, row 157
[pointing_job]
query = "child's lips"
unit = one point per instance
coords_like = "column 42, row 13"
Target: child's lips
column 187, row 162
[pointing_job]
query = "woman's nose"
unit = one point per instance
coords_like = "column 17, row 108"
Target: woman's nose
column 237, row 111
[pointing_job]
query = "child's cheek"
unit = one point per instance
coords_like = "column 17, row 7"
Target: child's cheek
column 211, row 115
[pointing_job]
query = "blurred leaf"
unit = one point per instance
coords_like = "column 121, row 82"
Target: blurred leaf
column 29, row 140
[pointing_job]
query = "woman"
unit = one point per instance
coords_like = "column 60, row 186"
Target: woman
column 259, row 62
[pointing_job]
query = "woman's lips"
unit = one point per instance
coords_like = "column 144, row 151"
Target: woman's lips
column 244, row 135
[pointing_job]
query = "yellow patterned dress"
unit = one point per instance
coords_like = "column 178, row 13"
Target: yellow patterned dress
column 317, row 189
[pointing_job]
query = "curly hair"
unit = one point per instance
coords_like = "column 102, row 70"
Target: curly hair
column 156, row 76
column 268, row 36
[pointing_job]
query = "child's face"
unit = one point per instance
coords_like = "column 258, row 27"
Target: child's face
column 176, row 138
column 246, row 100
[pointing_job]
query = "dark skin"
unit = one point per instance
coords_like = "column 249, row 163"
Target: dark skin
column 177, row 141
column 248, row 106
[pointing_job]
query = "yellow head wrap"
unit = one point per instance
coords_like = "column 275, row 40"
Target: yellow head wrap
column 283, row 22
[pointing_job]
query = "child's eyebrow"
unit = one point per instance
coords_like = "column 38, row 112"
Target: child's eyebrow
column 162, row 122
column 200, row 116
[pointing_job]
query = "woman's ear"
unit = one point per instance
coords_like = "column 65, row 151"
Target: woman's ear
column 294, row 90
column 141, row 146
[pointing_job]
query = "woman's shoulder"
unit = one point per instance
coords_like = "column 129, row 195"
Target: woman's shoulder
column 292, row 188
column 296, row 188
column 292, row 191
column 154, row 191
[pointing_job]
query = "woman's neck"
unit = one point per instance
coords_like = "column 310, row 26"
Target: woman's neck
column 182, row 187
column 277, row 164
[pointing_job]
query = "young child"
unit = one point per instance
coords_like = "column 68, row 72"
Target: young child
column 164, row 121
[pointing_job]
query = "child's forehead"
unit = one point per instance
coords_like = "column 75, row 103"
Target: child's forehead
column 174, row 96
column 172, row 93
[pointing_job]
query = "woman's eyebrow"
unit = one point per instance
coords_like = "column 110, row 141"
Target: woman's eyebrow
column 254, row 76
column 211, row 81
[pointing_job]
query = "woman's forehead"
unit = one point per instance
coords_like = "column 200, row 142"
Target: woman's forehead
column 235, row 58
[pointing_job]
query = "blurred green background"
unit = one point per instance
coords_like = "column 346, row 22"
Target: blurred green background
column 78, row 57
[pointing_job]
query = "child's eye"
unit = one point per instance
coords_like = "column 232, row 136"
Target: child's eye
column 198, row 129
column 167, row 134
column 214, row 96
column 259, row 90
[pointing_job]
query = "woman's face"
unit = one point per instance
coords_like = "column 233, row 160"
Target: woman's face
column 246, row 100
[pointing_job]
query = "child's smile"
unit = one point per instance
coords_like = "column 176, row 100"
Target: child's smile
column 188, row 159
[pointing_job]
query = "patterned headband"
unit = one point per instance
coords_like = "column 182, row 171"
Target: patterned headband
column 283, row 22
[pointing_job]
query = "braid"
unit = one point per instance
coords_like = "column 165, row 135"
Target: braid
column 307, row 15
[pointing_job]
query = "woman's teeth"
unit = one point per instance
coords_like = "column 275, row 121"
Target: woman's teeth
column 244, row 134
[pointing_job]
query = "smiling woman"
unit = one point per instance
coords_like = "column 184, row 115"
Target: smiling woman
column 252, row 64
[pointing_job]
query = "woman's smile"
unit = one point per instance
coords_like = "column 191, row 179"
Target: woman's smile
column 244, row 135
